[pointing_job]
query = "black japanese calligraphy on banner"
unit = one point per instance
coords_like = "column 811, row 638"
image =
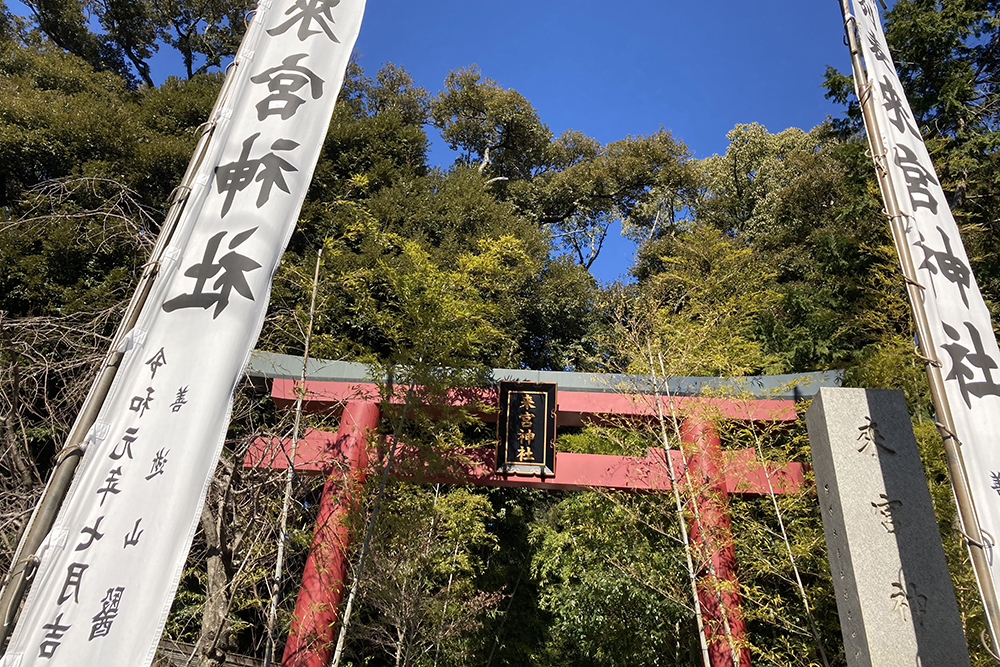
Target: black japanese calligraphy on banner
column 132, row 538
column 876, row 48
column 945, row 262
column 154, row 362
column 970, row 363
column 71, row 586
column 268, row 170
column 107, row 575
column 93, row 534
column 140, row 403
column 233, row 267
column 867, row 10
column 54, row 632
column 125, row 444
column 304, row 14
column 159, row 464
column 919, row 179
column 283, row 82
column 526, row 428
column 111, row 484
column 180, row 401
column 109, row 612
column 899, row 114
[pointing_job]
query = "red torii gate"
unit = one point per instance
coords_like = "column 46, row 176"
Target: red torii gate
column 713, row 474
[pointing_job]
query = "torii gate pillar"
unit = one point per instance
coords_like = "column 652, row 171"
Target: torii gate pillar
column 712, row 538
column 310, row 637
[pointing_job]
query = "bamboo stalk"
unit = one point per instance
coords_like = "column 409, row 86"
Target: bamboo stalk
column 679, row 507
column 272, row 612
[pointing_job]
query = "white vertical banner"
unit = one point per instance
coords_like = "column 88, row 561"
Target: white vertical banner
column 961, row 332
column 110, row 566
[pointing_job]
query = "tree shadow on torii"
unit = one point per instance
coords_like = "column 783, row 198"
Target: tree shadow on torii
column 346, row 390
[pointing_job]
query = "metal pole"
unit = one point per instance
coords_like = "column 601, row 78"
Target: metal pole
column 24, row 562
column 945, row 423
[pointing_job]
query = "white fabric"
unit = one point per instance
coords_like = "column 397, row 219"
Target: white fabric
column 103, row 591
column 961, row 334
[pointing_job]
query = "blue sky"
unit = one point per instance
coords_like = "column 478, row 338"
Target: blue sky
column 615, row 69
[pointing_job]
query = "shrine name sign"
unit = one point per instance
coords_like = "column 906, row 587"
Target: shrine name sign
column 526, row 429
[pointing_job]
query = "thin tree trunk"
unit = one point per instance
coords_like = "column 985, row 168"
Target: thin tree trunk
column 399, row 647
column 215, row 631
column 272, row 612
column 16, row 449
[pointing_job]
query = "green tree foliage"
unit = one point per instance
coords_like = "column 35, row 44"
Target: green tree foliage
column 586, row 187
column 206, row 30
column 77, row 148
column 805, row 206
column 490, row 125
column 700, row 305
column 373, row 194
column 571, row 185
column 946, row 54
column 422, row 603
column 613, row 582
column 61, row 122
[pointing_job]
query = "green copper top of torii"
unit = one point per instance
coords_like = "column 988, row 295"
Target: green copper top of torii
column 270, row 365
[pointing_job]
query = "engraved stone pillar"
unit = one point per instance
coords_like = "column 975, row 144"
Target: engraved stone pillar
column 894, row 595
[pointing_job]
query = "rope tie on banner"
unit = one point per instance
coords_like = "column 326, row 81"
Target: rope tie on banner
column 882, row 162
column 178, row 193
column 204, row 128
column 151, row 267
column 30, row 567
column 66, row 452
column 911, row 281
column 927, row 360
column 30, row 564
column 988, row 647
column 947, row 433
column 971, row 541
column 988, row 542
column 881, row 166
column 866, row 92
column 907, row 225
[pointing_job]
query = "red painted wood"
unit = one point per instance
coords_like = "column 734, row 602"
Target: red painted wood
column 575, row 407
column 316, row 610
column 712, row 539
column 742, row 472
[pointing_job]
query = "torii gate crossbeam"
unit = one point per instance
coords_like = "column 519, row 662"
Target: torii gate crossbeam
column 712, row 473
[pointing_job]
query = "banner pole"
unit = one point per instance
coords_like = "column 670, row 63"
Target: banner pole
column 945, row 423
column 44, row 515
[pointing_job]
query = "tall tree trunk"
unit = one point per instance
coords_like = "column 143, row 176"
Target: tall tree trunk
column 215, row 639
column 18, row 455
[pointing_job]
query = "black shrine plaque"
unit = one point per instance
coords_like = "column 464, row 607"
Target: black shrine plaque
column 526, row 429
